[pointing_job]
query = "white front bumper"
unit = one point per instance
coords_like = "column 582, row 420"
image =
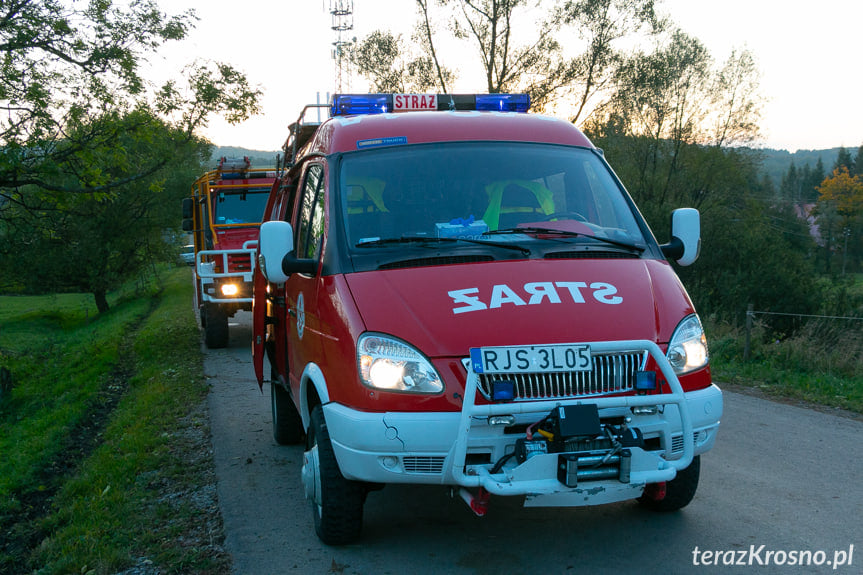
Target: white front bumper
column 205, row 267
column 460, row 448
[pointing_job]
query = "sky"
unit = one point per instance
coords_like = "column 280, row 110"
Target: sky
column 807, row 54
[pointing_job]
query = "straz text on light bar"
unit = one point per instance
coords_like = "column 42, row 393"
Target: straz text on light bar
column 354, row 104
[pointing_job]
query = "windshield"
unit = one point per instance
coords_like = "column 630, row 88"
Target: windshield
column 246, row 207
column 466, row 190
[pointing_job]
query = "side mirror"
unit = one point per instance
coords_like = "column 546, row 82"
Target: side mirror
column 685, row 243
column 294, row 265
column 276, row 254
column 275, row 242
column 188, row 208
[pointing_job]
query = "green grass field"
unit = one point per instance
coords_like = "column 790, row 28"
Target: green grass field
column 95, row 434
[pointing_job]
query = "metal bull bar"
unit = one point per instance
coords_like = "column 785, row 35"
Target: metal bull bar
column 206, row 270
column 503, row 483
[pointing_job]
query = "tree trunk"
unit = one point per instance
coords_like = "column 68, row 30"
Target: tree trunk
column 101, row 298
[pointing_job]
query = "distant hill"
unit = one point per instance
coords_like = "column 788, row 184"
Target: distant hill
column 775, row 163
column 259, row 158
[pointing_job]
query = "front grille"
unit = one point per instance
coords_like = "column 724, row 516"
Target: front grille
column 239, row 262
column 677, row 442
column 423, row 464
column 611, row 373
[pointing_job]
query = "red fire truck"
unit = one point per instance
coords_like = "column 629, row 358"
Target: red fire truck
column 454, row 292
column 223, row 214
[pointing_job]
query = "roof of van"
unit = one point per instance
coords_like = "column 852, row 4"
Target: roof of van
column 351, row 133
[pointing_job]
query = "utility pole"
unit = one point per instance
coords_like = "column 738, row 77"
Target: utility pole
column 846, row 232
column 343, row 21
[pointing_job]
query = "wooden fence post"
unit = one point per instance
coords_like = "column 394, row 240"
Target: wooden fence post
column 749, row 315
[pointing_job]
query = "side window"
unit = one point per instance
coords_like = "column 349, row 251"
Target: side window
column 606, row 214
column 285, row 202
column 310, row 219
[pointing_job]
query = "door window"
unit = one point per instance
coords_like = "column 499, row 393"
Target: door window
column 310, row 220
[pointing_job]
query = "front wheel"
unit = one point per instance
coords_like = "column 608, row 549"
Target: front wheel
column 215, row 326
column 337, row 503
column 678, row 492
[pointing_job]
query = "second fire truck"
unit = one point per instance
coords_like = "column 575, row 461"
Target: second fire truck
column 223, row 214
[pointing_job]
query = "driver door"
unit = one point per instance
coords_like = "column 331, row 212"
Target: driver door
column 301, row 290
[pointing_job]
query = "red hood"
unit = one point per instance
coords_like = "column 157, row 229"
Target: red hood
column 447, row 310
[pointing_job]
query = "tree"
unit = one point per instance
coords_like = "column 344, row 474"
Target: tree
column 858, row 162
column 391, row 67
column 675, row 93
column 519, row 46
column 735, row 102
column 670, row 122
column 601, row 25
column 845, row 190
column 810, row 185
column 801, row 185
column 99, row 241
column 658, row 93
column 844, row 160
column 842, row 194
column 425, row 35
column 489, row 26
column 790, row 186
column 85, row 145
column 753, row 253
column 62, row 63
column 66, row 68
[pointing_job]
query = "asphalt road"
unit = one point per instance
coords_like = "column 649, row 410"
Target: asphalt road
column 783, row 486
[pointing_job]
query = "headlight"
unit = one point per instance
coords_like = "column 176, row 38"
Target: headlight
column 229, row 290
column 687, row 350
column 387, row 363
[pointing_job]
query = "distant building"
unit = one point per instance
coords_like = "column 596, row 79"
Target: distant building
column 805, row 212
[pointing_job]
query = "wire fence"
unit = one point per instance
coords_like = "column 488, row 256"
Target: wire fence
column 754, row 313
column 750, row 320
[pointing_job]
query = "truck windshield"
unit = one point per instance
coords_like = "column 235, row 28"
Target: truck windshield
column 245, row 207
column 466, row 190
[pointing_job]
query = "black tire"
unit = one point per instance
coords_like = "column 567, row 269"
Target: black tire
column 216, row 328
column 287, row 423
column 679, row 491
column 337, row 504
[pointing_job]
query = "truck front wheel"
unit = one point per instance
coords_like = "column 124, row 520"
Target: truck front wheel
column 337, row 503
column 215, row 326
column 678, row 492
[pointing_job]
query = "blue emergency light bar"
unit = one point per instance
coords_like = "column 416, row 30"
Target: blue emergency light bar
column 363, row 104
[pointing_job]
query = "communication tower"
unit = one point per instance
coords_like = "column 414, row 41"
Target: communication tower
column 343, row 21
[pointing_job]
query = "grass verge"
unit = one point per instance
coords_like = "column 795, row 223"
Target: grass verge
column 108, row 434
column 822, row 364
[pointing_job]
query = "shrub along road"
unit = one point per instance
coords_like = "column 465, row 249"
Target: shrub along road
column 780, row 476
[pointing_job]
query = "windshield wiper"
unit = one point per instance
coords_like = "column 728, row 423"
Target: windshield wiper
column 428, row 240
column 569, row 234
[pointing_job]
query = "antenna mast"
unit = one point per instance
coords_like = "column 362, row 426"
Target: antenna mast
column 343, row 21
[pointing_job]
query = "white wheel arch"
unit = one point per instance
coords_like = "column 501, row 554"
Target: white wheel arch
column 314, row 377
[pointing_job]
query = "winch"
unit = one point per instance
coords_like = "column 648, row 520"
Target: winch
column 587, row 448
